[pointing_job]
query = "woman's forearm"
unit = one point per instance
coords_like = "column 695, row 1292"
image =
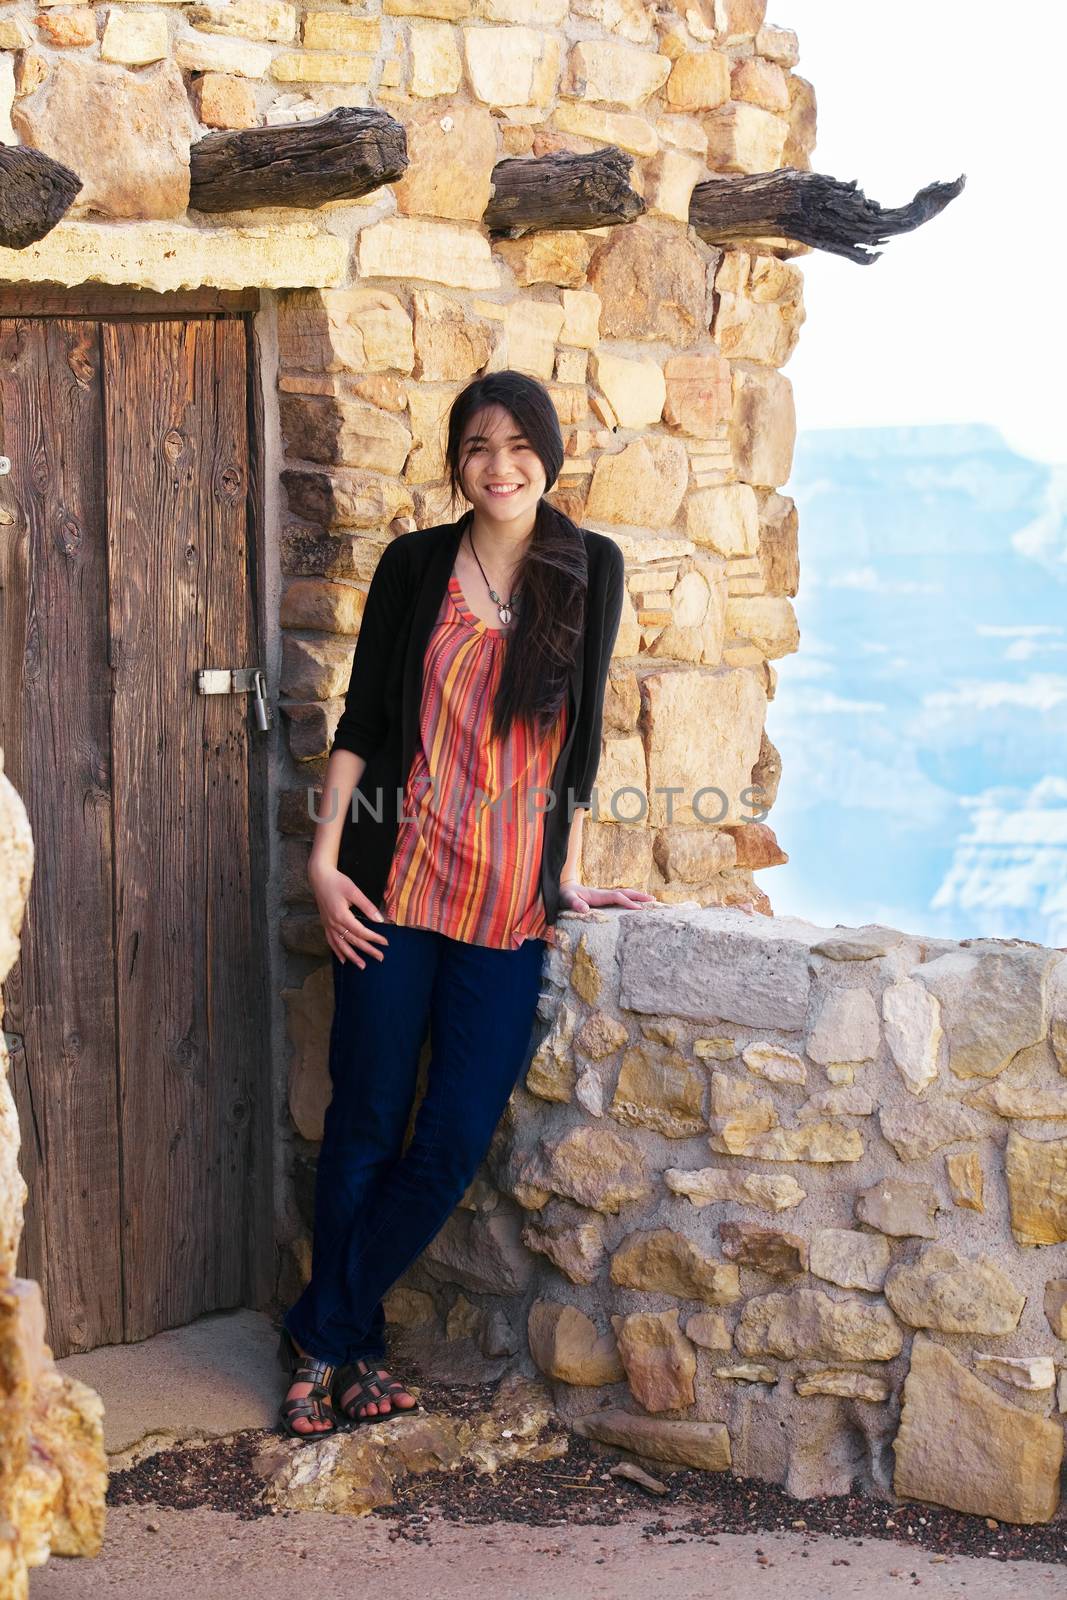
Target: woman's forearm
column 343, row 771
column 572, row 867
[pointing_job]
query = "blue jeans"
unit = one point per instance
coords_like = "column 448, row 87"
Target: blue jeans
column 377, row 1209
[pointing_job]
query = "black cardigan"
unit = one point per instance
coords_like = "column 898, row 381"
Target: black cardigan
column 380, row 720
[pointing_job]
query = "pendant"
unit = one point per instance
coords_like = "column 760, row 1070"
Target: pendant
column 505, row 613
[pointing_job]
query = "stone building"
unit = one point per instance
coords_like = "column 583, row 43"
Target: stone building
column 218, row 409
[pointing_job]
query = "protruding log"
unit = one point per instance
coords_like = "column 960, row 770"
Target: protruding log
column 562, row 191
column 35, row 192
column 346, row 153
column 824, row 212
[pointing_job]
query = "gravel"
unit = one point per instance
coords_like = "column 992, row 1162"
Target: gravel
column 578, row 1488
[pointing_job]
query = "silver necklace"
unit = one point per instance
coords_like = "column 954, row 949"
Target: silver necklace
column 506, row 608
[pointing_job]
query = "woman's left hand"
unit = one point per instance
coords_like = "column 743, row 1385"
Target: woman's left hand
column 576, row 897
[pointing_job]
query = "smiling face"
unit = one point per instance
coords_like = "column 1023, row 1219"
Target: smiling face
column 500, row 472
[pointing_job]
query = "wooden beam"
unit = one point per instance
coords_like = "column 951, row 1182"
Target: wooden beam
column 531, row 194
column 35, row 192
column 827, row 213
column 339, row 156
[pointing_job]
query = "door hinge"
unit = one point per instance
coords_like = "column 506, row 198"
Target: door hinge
column 238, row 680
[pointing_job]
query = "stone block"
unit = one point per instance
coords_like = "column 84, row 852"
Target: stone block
column 133, row 39
column 511, row 66
column 604, row 69
column 415, row 247
column 221, row 101
column 268, row 21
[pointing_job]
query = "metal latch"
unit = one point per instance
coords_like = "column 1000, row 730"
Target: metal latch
column 238, row 680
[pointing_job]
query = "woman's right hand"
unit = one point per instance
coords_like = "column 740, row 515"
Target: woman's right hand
column 335, row 893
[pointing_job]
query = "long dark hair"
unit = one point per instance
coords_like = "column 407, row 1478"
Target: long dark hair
column 553, row 574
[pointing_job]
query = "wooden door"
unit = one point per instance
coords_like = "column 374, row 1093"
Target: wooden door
column 136, row 1014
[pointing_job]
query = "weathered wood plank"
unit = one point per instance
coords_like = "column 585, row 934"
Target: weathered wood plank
column 339, row 156
column 107, row 300
column 59, row 999
column 35, row 193
column 531, row 194
column 809, row 206
column 189, row 1045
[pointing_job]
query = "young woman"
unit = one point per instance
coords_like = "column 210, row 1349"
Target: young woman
column 451, row 818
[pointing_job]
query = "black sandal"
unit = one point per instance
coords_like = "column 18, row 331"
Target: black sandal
column 371, row 1388
column 317, row 1404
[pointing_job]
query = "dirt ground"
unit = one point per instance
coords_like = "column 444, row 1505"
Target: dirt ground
column 153, row 1553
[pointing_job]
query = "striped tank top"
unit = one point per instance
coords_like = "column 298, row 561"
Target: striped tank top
column 468, row 862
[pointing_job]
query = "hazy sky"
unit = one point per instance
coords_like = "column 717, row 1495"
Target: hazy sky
column 962, row 320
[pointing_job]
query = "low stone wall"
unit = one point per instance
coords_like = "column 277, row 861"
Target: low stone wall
column 785, row 1199
column 53, row 1472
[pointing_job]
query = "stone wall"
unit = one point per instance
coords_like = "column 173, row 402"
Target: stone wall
column 53, row 1473
column 785, row 1199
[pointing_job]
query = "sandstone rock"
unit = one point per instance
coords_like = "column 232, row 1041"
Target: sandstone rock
column 916, row 1131
column 428, row 410
column 845, row 1100
column 483, row 1253
column 691, row 855
column 913, row 1032
column 663, row 1092
column 947, row 1291
column 343, row 433
column 14, row 34
column 450, row 159
column 993, row 1004
column 416, row 247
column 778, row 44
column 774, row 1062
column 965, row 1179
column 783, row 1255
column 332, row 30
column 748, row 1372
column 68, row 29
column 550, row 1074
column 632, row 133
column 337, row 330
column 635, row 388
column 844, row 1382
column 270, row 21
column 671, row 177
column 759, row 307
column 815, row 1141
column 745, row 138
column 436, row 67
column 708, row 1330
column 219, row 100
column 641, row 485
column 600, row 1036
column 200, row 52
column 689, row 1444
column 127, row 135
column 960, row 1445
column 697, row 724
column 713, row 1185
column 464, row 1320
column 802, row 123
column 724, row 518
column 565, row 1344
column 309, row 66
column 586, row 977
column 851, row 1259
column 133, row 40
column 344, row 499
column 763, row 425
column 1035, row 1374
column 737, row 1111
column 666, row 1262
column 1056, row 1306
column 595, row 1166
column 760, row 83
column 558, row 257
column 1022, row 1100
column 602, row 69
column 571, row 1239
column 808, row 1322
column 307, row 1012
column 528, row 342
column 581, row 318
column 660, row 1362
column 697, row 969
column 67, row 1446
column 699, row 82
column 651, row 285
column 408, row 1308
column 1036, row 1173
column 899, row 1208
column 699, row 394
column 511, row 66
